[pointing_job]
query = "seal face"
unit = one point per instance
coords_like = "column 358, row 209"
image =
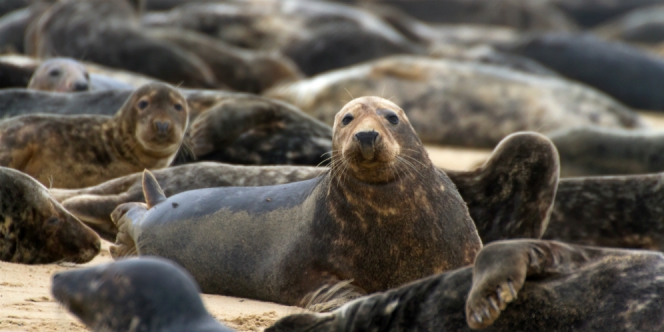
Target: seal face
column 60, row 75
column 36, row 229
column 383, row 216
column 146, row 294
column 80, row 151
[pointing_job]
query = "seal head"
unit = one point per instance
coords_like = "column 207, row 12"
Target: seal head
column 60, row 75
column 146, row 294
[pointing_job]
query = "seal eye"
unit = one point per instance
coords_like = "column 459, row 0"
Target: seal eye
column 54, row 73
column 142, row 104
column 178, row 107
column 392, row 118
column 347, row 119
column 52, row 221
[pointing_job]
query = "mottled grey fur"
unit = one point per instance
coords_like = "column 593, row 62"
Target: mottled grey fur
column 534, row 285
column 588, row 151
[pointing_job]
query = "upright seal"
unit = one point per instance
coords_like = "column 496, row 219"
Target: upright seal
column 383, row 216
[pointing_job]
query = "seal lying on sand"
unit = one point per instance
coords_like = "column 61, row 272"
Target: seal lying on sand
column 525, row 165
column 383, row 216
column 35, row 228
column 588, row 151
column 518, row 285
column 457, row 103
column 140, row 294
column 60, row 75
column 80, row 151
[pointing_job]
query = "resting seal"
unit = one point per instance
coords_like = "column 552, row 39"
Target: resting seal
column 460, row 103
column 510, row 196
column 586, row 151
column 60, row 75
column 140, row 294
column 517, row 285
column 80, row 151
column 382, row 216
column 36, row 229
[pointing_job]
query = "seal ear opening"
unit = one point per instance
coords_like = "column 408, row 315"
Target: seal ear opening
column 151, row 189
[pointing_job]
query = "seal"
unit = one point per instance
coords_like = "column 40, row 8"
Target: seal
column 589, row 151
column 80, row 151
column 642, row 26
column 14, row 24
column 584, row 58
column 441, row 92
column 510, row 196
column 139, row 294
column 94, row 205
column 60, row 75
column 36, row 229
column 522, row 285
column 108, row 32
column 252, row 130
column 610, row 211
column 240, row 69
column 382, row 216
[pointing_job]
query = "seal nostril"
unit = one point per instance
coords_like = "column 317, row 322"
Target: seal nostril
column 367, row 137
column 80, row 86
column 162, row 127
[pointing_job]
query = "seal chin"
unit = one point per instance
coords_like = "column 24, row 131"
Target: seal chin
column 159, row 146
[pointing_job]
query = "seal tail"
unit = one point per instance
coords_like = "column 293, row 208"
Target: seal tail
column 151, row 189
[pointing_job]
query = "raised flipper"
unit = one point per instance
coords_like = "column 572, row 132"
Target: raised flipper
column 152, row 190
column 500, row 270
column 512, row 194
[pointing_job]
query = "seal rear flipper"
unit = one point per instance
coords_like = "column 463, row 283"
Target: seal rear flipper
column 152, row 190
column 95, row 211
column 512, row 194
column 125, row 216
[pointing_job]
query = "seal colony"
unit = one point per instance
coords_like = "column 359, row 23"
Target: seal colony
column 382, row 216
column 80, row 151
column 36, row 229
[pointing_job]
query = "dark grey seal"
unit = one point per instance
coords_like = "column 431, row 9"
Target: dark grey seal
column 517, row 285
column 138, row 294
column 36, row 229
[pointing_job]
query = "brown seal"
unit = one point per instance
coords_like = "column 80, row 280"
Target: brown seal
column 383, row 216
column 35, row 228
column 517, row 285
column 60, row 75
column 80, row 151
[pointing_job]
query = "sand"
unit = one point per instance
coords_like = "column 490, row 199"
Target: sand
column 26, row 303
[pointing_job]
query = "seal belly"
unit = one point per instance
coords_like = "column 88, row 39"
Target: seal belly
column 232, row 239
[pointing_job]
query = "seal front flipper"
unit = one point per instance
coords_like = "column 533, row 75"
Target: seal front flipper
column 512, row 194
column 151, row 189
column 125, row 216
column 501, row 268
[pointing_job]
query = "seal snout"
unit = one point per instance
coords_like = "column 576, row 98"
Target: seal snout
column 162, row 126
column 80, row 86
column 367, row 141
